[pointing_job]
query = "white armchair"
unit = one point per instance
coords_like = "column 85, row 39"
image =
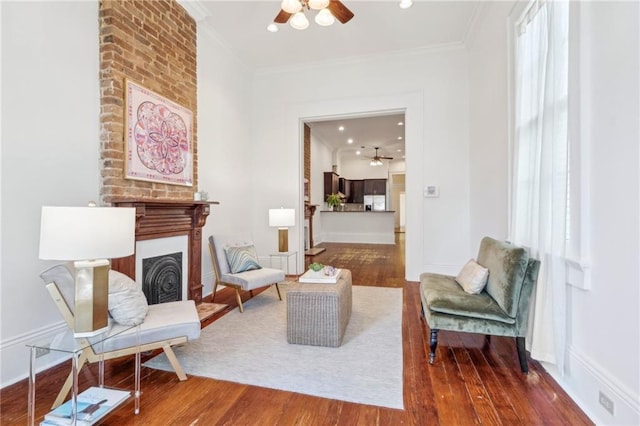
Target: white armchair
column 164, row 326
column 241, row 278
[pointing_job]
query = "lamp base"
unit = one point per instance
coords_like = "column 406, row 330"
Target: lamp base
column 91, row 311
column 283, row 240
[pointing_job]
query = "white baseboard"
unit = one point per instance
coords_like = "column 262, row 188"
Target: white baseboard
column 15, row 354
column 585, row 379
column 359, row 238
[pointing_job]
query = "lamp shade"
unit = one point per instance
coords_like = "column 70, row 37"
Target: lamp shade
column 282, row 218
column 86, row 233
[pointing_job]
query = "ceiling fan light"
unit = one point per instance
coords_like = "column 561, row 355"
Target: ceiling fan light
column 405, row 4
column 325, row 18
column 318, row 4
column 299, row 21
column 291, row 6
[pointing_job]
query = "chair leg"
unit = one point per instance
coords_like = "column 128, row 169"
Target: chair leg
column 433, row 343
column 522, row 354
column 173, row 360
column 239, row 299
column 66, row 387
column 278, row 290
column 215, row 287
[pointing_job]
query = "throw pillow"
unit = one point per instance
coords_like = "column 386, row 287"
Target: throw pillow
column 473, row 277
column 242, row 259
column 127, row 303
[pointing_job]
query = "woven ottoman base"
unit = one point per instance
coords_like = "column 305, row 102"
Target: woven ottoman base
column 318, row 314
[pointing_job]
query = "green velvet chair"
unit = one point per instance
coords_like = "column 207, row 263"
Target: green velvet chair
column 501, row 309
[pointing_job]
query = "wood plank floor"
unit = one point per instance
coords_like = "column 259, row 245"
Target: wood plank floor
column 473, row 381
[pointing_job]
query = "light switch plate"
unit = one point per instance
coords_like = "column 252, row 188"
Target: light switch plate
column 431, row 191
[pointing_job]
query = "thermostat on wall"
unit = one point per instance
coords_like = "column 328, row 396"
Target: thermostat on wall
column 431, row 191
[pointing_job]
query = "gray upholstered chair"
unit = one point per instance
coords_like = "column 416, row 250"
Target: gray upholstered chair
column 247, row 280
column 164, row 326
column 501, row 309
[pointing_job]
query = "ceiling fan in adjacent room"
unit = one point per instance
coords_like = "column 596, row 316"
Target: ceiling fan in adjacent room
column 376, row 160
column 292, row 11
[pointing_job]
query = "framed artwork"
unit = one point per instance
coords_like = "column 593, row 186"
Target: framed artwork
column 159, row 138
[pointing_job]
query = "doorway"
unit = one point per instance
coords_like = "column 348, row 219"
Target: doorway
column 347, row 147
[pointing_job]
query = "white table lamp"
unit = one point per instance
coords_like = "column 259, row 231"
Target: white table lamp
column 88, row 236
column 282, row 219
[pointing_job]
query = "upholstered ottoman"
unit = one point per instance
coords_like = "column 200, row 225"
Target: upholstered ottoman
column 318, row 314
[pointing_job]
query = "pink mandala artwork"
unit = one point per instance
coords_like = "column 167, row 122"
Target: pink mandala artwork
column 159, row 146
column 161, row 139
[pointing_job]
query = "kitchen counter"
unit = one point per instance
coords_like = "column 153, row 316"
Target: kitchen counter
column 357, row 211
column 371, row 227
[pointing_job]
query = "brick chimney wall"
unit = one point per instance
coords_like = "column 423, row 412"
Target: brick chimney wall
column 152, row 43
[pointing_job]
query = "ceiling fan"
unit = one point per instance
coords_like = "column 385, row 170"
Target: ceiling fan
column 328, row 10
column 376, row 160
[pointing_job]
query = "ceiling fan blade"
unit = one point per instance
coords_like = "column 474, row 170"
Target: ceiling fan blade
column 282, row 17
column 340, row 11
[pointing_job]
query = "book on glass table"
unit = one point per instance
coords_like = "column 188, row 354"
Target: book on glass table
column 93, row 404
column 319, row 277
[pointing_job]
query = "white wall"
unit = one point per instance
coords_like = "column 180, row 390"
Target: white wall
column 320, row 163
column 604, row 321
column 224, row 132
column 488, row 135
column 433, row 86
column 50, row 146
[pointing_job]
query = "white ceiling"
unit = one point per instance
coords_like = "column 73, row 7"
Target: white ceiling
column 368, row 132
column 378, row 28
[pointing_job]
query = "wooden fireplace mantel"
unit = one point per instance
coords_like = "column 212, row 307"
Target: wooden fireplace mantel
column 156, row 218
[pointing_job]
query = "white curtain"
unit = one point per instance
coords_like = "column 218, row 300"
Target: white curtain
column 540, row 173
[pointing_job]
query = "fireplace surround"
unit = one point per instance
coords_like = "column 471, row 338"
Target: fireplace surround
column 157, row 218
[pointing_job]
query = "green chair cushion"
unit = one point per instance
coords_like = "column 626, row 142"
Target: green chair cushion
column 443, row 294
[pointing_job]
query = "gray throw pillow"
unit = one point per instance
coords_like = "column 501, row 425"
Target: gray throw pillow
column 127, row 303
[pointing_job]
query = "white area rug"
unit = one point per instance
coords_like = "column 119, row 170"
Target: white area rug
column 252, row 348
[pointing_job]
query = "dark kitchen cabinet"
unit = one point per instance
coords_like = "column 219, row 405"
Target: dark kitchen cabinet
column 375, row 187
column 331, row 183
column 356, row 194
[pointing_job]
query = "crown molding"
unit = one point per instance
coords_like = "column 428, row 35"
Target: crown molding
column 195, row 8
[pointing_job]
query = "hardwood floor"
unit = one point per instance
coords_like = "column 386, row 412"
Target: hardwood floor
column 473, row 381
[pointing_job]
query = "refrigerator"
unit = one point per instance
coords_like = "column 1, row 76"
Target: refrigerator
column 376, row 203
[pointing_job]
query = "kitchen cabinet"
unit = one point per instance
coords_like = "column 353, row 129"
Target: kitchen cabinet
column 375, row 187
column 356, row 194
column 331, row 183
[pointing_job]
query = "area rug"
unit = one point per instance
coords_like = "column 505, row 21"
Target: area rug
column 251, row 348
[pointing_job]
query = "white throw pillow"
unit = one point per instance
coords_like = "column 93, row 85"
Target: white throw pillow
column 127, row 303
column 473, row 277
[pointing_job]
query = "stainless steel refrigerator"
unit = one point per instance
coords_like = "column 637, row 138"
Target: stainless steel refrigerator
column 375, row 203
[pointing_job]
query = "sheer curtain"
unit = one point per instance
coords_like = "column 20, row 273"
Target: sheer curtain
column 540, row 172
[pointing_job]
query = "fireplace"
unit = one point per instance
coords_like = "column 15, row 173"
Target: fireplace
column 162, row 278
column 160, row 220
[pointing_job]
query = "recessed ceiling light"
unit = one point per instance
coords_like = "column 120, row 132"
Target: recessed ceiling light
column 400, row 138
column 341, row 128
column 400, row 123
column 399, row 150
column 350, row 140
column 272, row 28
column 405, row 4
column 357, row 152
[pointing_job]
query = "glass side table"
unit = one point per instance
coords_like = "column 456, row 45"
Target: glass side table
column 78, row 348
column 284, row 256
